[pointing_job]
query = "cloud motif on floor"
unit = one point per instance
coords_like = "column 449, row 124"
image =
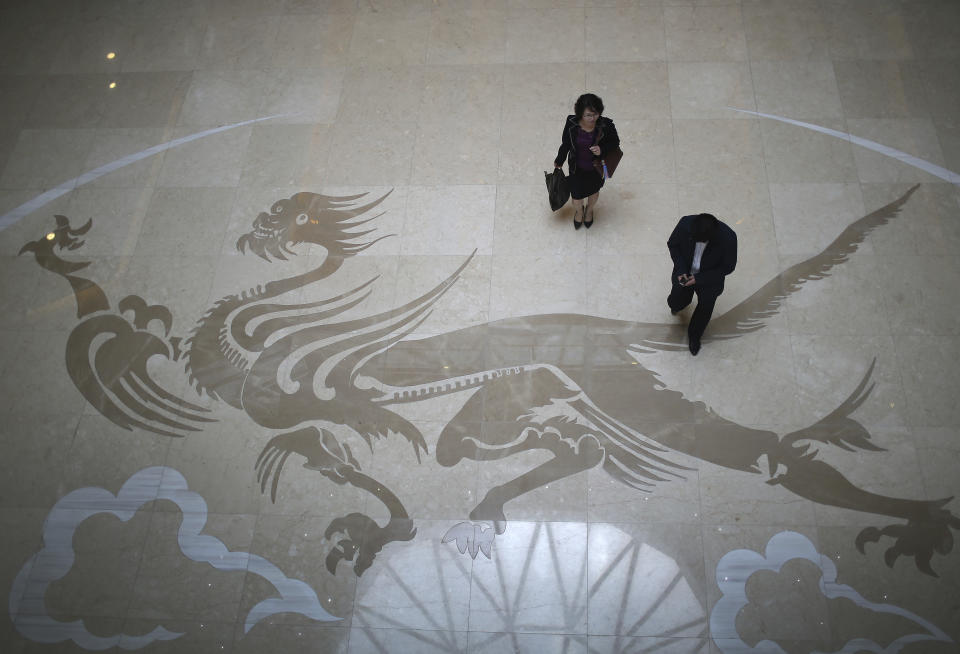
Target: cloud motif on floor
column 27, row 605
column 737, row 566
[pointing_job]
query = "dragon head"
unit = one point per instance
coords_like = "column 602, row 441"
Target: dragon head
column 311, row 218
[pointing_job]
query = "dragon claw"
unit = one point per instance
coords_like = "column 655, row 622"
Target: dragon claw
column 919, row 539
column 363, row 539
column 270, row 464
column 472, row 537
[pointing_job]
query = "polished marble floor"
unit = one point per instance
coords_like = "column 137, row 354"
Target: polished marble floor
column 296, row 358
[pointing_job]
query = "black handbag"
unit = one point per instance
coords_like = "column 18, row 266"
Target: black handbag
column 557, row 188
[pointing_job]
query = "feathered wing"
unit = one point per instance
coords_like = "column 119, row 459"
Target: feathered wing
column 751, row 314
column 107, row 359
column 322, row 363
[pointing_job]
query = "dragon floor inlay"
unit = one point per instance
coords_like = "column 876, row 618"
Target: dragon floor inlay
column 288, row 355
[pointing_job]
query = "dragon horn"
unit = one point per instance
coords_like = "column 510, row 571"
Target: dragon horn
column 367, row 207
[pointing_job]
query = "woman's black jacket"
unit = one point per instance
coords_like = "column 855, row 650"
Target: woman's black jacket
column 605, row 136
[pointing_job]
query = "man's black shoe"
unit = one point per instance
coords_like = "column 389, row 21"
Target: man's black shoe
column 694, row 347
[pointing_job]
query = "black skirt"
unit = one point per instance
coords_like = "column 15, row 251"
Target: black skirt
column 584, row 183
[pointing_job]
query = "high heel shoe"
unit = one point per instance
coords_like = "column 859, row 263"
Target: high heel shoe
column 577, row 224
column 587, row 223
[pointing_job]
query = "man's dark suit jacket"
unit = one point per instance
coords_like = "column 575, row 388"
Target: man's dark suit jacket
column 718, row 260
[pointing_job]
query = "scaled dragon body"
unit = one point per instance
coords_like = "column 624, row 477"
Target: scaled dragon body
column 304, row 372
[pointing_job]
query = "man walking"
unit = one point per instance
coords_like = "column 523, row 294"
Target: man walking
column 704, row 251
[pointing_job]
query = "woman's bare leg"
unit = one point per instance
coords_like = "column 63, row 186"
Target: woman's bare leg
column 591, row 203
column 577, row 210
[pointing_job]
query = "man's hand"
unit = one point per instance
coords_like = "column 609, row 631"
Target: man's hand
column 686, row 280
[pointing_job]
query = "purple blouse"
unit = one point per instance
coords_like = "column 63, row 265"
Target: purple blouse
column 584, row 156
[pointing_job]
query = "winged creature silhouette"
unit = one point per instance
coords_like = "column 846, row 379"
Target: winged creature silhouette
column 317, row 379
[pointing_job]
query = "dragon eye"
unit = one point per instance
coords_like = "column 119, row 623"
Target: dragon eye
column 302, row 219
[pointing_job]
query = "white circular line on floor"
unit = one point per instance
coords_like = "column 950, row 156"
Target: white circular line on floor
column 909, row 159
column 28, row 207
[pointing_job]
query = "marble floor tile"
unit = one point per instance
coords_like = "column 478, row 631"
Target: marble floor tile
column 704, row 33
column 111, row 144
column 553, row 284
column 448, row 220
column 532, row 35
column 208, row 593
column 921, row 354
column 798, row 90
column 394, row 36
column 881, row 89
column 407, row 641
column 216, row 97
column 709, row 151
column 340, row 380
column 928, row 25
column 624, row 34
column 483, row 642
column 795, row 204
column 45, row 158
column 924, row 227
column 308, row 96
column 637, row 589
column 475, row 35
column 323, row 40
column 236, row 42
column 285, row 155
column 605, row 644
column 405, row 584
column 711, row 89
column 785, row 30
column 89, row 96
column 295, row 544
column 181, row 164
column 164, row 43
column 915, row 613
column 860, row 30
column 302, row 638
column 36, row 439
column 941, row 86
column 373, row 94
column 633, row 90
column 532, row 92
column 792, row 155
column 84, row 465
column 523, row 213
column 381, row 154
column 32, row 44
column 466, row 303
column 145, row 99
column 19, row 94
column 188, row 217
column 915, row 136
column 537, row 581
column 651, row 148
column 631, row 219
column 205, row 636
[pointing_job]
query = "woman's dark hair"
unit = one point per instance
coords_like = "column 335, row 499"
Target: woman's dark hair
column 587, row 101
column 704, row 225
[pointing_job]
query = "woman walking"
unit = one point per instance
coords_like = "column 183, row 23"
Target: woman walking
column 587, row 136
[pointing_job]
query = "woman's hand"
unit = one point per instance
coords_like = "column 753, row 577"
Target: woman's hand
column 556, row 165
column 595, row 149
